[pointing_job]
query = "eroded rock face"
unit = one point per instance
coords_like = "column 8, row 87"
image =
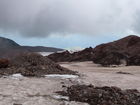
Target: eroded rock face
column 102, row 95
column 32, row 64
column 84, row 55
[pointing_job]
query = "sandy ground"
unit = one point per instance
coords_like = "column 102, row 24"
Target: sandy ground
column 107, row 76
column 41, row 91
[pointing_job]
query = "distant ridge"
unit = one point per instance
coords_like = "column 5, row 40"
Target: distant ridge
column 9, row 48
column 8, row 43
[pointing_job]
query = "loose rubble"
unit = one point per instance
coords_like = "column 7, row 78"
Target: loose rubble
column 102, row 95
column 32, row 64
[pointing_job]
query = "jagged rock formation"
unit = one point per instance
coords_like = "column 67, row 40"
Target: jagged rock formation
column 84, row 55
column 102, row 95
column 32, row 64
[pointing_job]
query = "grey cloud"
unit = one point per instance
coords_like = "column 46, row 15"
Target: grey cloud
column 37, row 18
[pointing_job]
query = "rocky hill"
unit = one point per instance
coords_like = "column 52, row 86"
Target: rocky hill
column 9, row 48
column 66, row 56
column 118, row 52
column 125, row 51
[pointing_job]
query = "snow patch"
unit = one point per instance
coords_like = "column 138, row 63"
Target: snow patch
column 16, row 76
column 62, row 76
column 45, row 53
column 59, row 97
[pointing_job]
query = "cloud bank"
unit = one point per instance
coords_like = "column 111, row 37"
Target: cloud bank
column 39, row 18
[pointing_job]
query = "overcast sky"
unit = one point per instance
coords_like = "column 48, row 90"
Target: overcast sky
column 68, row 23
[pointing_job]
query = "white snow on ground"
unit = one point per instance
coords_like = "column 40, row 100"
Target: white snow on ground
column 61, row 76
column 18, row 75
column 14, row 76
column 59, row 97
column 45, row 53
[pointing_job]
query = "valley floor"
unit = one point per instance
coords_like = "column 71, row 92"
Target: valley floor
column 41, row 91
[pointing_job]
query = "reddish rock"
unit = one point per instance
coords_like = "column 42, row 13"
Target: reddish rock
column 134, row 60
column 4, row 63
column 118, row 51
column 124, row 51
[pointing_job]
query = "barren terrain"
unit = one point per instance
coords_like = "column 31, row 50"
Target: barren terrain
column 41, row 91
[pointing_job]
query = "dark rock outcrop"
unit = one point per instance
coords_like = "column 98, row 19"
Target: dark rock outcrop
column 134, row 60
column 102, row 95
column 84, row 55
column 4, row 63
column 32, row 64
column 125, row 49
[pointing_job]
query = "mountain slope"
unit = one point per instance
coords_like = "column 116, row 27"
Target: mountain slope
column 114, row 52
column 7, row 43
column 123, row 51
column 9, row 48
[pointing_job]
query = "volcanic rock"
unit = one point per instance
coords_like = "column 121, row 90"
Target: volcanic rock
column 32, row 64
column 123, row 51
column 4, row 63
column 134, row 60
column 84, row 55
column 102, row 95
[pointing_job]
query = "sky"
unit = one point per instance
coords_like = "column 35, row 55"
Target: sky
column 68, row 23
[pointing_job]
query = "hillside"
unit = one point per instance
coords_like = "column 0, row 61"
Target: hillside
column 123, row 51
column 9, row 48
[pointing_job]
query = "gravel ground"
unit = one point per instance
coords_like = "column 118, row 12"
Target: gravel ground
column 41, row 91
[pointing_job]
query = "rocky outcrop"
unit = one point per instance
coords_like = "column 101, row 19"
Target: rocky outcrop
column 84, row 55
column 134, row 60
column 121, row 51
column 102, row 95
column 32, row 64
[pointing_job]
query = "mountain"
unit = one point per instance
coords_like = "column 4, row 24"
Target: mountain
column 9, row 48
column 124, row 51
column 8, row 43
